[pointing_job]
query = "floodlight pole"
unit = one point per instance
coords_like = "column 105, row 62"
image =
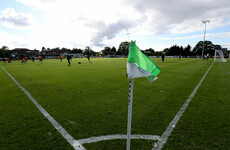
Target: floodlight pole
column 91, row 45
column 129, row 113
column 128, row 36
column 205, row 22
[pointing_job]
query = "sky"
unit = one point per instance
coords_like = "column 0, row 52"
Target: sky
column 156, row 24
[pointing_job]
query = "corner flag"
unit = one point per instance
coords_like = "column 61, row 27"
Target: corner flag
column 139, row 65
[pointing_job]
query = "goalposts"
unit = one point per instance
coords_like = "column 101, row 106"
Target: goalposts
column 219, row 56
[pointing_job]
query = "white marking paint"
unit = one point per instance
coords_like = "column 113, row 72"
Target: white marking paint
column 59, row 128
column 118, row 136
column 168, row 131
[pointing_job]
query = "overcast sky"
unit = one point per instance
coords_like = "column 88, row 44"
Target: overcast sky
column 156, row 24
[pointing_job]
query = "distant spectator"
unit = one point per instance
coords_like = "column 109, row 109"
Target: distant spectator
column 207, row 56
column 68, row 58
column 163, row 57
column 33, row 59
column 9, row 61
column 23, row 60
column 40, row 58
column 4, row 60
column 88, row 56
column 61, row 58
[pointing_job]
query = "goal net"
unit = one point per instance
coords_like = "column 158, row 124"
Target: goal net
column 219, row 56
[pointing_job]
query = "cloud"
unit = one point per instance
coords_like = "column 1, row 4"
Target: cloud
column 105, row 21
column 208, row 35
column 11, row 19
column 218, row 35
column 181, row 16
column 36, row 3
column 12, row 41
column 226, row 45
column 183, row 38
column 107, row 32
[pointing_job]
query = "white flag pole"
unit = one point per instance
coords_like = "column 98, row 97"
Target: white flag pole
column 129, row 113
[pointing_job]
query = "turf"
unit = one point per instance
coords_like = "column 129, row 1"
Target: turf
column 91, row 100
column 22, row 125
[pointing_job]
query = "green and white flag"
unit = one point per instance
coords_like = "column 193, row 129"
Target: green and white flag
column 139, row 65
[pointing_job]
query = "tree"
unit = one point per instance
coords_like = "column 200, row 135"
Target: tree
column 8, row 53
column 75, row 50
column 174, row 50
column 106, row 50
column 43, row 48
column 113, row 49
column 187, row 51
column 56, row 49
column 123, row 48
column 209, row 47
column 2, row 53
column 5, row 52
column 149, row 52
column 217, row 47
column 166, row 50
column 65, row 49
column 5, row 48
column 88, row 51
column 157, row 53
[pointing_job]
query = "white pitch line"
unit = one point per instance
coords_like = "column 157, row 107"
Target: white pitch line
column 117, row 136
column 76, row 145
column 159, row 145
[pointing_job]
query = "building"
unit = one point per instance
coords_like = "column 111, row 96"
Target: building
column 225, row 51
column 19, row 53
column 75, row 55
column 54, row 53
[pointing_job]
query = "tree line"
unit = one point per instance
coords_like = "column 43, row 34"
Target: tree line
column 209, row 47
column 123, row 49
column 174, row 50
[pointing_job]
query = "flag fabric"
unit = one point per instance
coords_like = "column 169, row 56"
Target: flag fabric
column 139, row 65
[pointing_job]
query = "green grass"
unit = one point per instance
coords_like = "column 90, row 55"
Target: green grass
column 80, row 97
column 22, row 125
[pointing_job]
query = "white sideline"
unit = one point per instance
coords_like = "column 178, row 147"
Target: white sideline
column 159, row 145
column 118, row 136
column 59, row 128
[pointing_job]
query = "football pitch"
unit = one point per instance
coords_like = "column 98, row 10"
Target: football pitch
column 88, row 102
